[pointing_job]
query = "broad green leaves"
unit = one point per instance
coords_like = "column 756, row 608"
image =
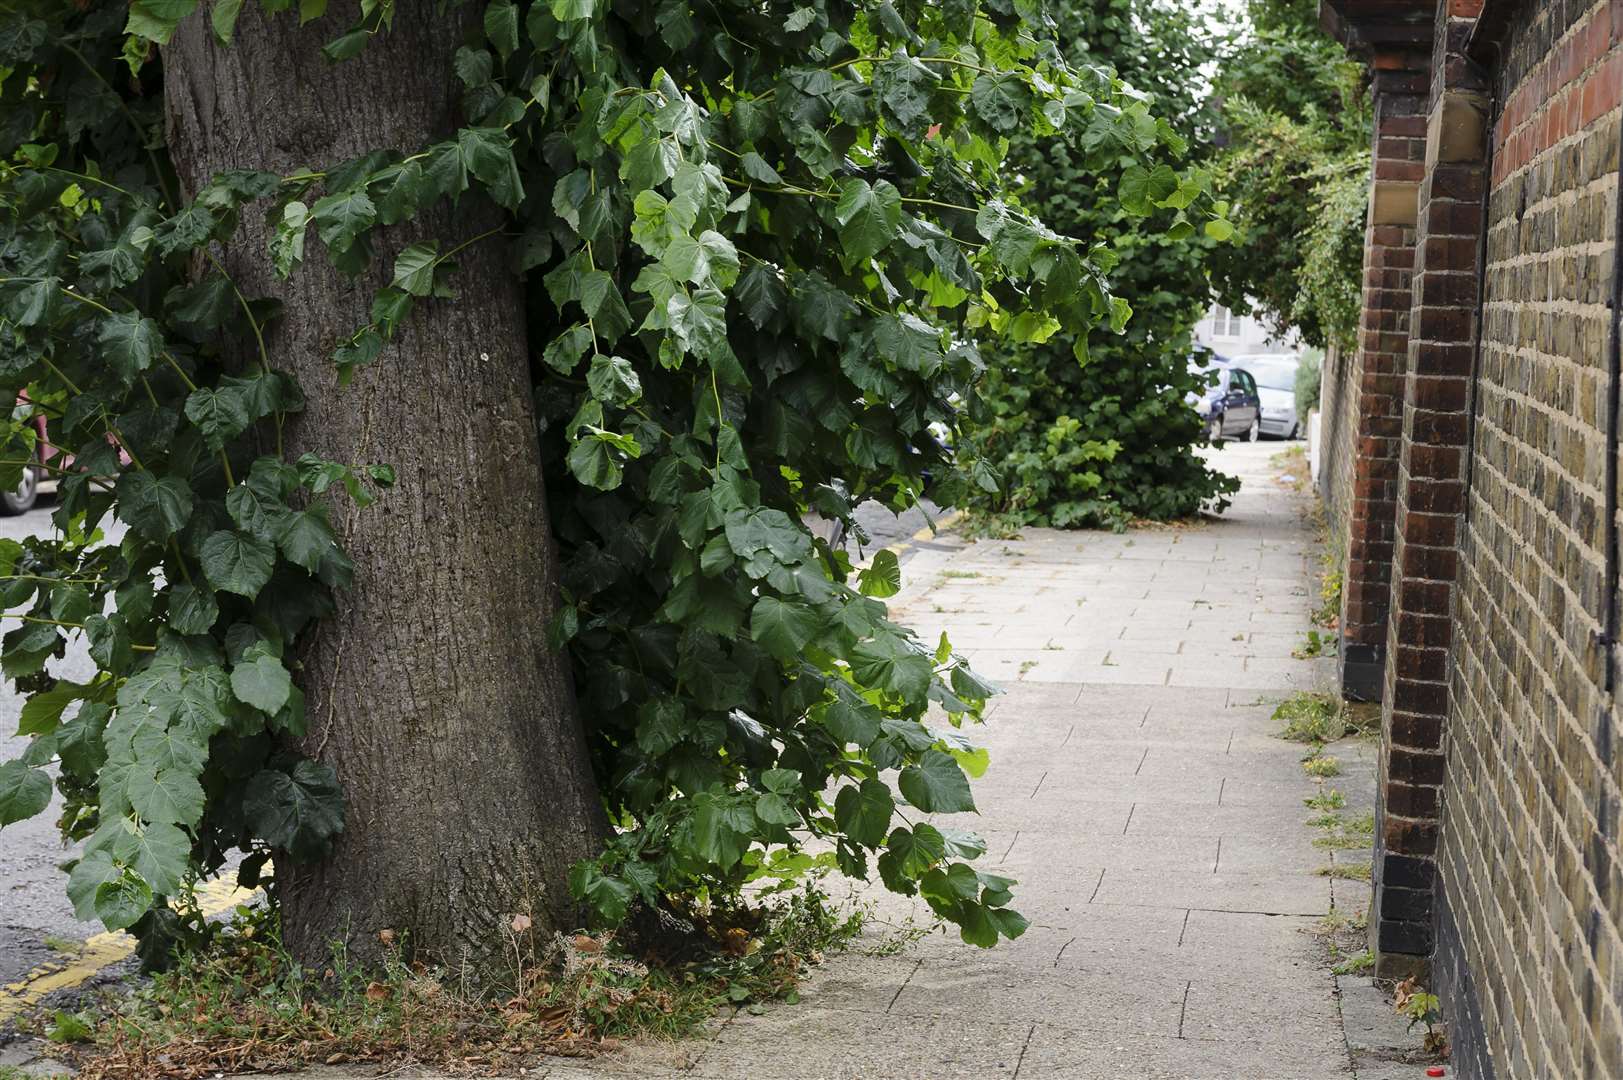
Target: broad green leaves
column 869, row 217
column 24, row 791
column 757, row 292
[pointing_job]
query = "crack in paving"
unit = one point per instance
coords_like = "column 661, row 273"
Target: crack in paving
column 1062, row 949
column 899, row 989
column 1096, row 885
column 1184, row 928
column 1220, row 786
column 1021, row 1060
column 1183, row 1008
column 1013, row 842
column 1129, row 824
column 1039, row 786
column 1141, row 761
column 1219, row 858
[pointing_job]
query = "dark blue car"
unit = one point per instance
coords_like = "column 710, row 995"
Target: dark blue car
column 1231, row 406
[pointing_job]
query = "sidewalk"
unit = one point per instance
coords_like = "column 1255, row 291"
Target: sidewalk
column 1138, row 793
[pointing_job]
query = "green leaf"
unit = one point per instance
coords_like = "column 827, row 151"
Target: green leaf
column 756, row 168
column 41, row 713
column 156, row 20
column 159, row 852
column 863, row 812
column 882, row 577
column 869, row 217
column 501, row 26
column 306, row 538
column 121, row 902
column 221, row 415
column 783, row 627
column 341, row 218
column 262, row 682
column 1003, row 101
column 298, row 811
column 613, row 381
column 488, row 155
column 165, row 796
column 936, row 785
column 1220, row 230
column 154, row 507
column 236, row 562
column 24, row 792
column 130, row 341
column 223, row 17
column 192, row 609
column 414, row 268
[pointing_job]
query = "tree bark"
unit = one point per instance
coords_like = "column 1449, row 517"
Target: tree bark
column 432, row 692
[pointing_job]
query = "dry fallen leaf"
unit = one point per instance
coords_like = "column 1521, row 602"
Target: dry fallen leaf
column 521, row 923
column 376, row 991
column 386, row 938
column 587, row 944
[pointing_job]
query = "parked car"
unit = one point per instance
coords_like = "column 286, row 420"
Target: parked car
column 1276, row 385
column 1231, row 405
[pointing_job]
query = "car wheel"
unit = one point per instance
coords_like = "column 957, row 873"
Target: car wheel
column 1214, row 429
column 1254, row 432
column 22, row 498
column 1296, row 432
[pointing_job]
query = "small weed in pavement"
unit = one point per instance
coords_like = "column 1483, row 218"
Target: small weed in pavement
column 1316, row 645
column 1321, row 765
column 1312, row 718
column 1356, row 964
column 244, row 1003
column 1328, row 799
column 1345, row 871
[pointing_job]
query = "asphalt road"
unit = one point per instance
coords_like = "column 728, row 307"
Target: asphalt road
column 33, row 900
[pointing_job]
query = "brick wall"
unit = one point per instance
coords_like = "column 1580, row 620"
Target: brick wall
column 1528, row 853
column 1399, row 89
column 1497, row 847
column 1429, row 496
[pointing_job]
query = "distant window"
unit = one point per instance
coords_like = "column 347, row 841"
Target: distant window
column 1226, row 324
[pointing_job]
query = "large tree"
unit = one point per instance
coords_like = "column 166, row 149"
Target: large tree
column 333, row 328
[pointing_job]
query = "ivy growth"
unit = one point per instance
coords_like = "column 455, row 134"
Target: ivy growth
column 764, row 245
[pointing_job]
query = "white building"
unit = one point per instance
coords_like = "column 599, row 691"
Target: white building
column 1229, row 334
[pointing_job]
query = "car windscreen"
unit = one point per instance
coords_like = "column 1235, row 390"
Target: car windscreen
column 1274, row 376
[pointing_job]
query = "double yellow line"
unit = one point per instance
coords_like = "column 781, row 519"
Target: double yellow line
column 101, row 951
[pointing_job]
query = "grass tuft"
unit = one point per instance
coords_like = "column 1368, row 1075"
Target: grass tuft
column 245, row 1004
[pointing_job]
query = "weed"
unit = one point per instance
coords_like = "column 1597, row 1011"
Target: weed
column 957, row 574
column 1328, row 799
column 62, row 944
column 244, row 1001
column 1356, row 964
column 1345, row 871
column 1317, row 645
column 1311, row 718
column 1325, row 821
column 66, row 1027
column 1421, row 1008
column 1052, row 647
column 1322, row 765
column 1026, row 665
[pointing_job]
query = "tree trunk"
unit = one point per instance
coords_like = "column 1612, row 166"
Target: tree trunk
column 432, row 692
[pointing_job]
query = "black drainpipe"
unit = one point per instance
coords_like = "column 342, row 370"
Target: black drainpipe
column 1608, row 639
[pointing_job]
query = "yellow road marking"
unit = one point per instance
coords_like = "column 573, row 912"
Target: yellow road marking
column 100, row 951
column 942, row 524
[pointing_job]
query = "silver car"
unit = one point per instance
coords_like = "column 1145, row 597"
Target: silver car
column 1276, row 385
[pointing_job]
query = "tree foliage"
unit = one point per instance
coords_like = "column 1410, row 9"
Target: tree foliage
column 1297, row 118
column 762, row 245
column 1093, row 429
